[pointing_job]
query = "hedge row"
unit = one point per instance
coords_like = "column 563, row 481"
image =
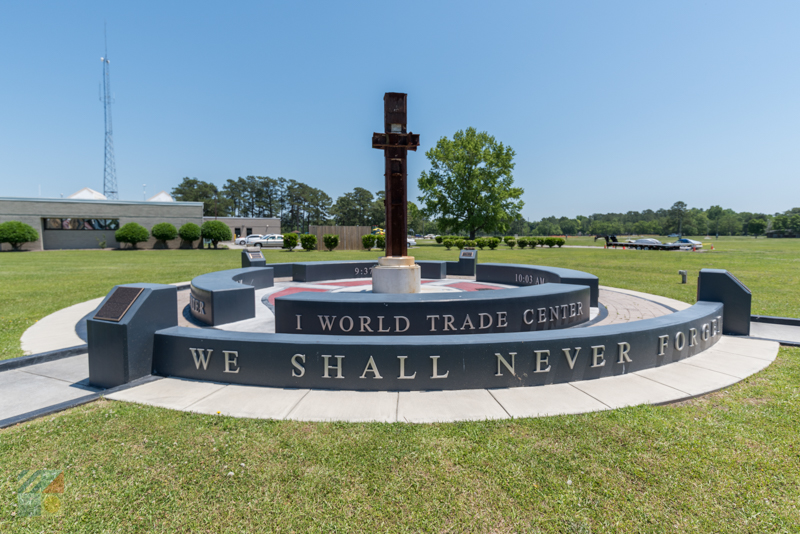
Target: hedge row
column 494, row 242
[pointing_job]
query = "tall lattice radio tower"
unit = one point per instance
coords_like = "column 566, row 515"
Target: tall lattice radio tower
column 109, row 170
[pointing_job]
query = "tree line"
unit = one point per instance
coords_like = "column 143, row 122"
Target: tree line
column 296, row 204
column 677, row 219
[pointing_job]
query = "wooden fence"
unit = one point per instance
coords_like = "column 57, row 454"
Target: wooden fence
column 349, row 236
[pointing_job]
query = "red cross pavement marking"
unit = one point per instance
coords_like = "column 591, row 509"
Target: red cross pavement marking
column 293, row 290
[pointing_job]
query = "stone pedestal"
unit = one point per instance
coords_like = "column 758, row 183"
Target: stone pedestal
column 396, row 274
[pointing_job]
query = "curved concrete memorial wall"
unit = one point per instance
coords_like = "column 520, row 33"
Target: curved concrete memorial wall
column 527, row 275
column 508, row 356
column 503, row 310
column 434, row 362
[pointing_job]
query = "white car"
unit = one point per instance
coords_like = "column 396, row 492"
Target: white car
column 272, row 240
column 411, row 242
column 430, row 236
column 247, row 240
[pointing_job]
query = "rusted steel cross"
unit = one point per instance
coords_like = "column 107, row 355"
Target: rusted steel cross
column 395, row 143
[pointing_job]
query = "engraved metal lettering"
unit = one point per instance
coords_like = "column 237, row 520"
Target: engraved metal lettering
column 327, row 367
column 371, row 368
column 298, row 366
column 597, row 355
column 663, row 343
column 231, row 357
column 484, row 326
column 326, row 321
column 680, row 341
column 202, row 358
column 570, row 359
column 542, row 358
column 435, row 360
column 502, row 319
column 623, row 349
column 525, row 317
column 397, row 323
column 501, row 360
column 341, row 323
column 403, row 369
column 364, row 323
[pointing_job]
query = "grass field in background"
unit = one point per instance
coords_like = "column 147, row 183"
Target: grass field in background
column 726, row 462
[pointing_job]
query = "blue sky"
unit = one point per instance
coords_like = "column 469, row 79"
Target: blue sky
column 610, row 106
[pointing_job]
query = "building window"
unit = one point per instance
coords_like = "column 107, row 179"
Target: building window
column 71, row 223
column 249, row 231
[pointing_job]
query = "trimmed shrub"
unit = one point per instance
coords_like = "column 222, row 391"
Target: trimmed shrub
column 560, row 242
column 439, row 239
column 190, row 233
column 480, row 243
column 522, row 242
column 380, row 241
column 289, row 241
column 550, row 241
column 511, row 243
column 448, row 243
column 164, row 232
column 493, row 242
column 309, row 242
column 461, row 243
column 331, row 241
column 132, row 233
column 508, row 238
column 16, row 233
column 471, row 243
column 368, row 241
column 215, row 231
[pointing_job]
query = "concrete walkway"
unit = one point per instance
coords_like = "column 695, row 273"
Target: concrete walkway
column 30, row 389
column 775, row 332
column 729, row 361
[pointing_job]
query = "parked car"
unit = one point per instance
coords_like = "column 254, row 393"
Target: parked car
column 674, row 235
column 272, row 240
column 247, row 240
column 411, row 242
column 645, row 241
column 430, row 236
column 690, row 243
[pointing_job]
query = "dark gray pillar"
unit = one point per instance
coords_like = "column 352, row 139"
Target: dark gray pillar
column 253, row 258
column 122, row 350
column 718, row 285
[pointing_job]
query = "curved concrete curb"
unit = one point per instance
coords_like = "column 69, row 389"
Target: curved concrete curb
column 57, row 330
column 729, row 361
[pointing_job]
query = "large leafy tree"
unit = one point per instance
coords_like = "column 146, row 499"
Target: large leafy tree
column 678, row 213
column 194, row 190
column 354, row 208
column 470, row 186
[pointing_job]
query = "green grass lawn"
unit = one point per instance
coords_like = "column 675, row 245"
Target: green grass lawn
column 727, row 462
